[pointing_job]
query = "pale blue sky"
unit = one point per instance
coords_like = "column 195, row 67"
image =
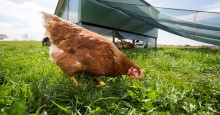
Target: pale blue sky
column 19, row 17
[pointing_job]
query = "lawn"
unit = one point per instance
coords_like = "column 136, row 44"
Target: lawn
column 175, row 81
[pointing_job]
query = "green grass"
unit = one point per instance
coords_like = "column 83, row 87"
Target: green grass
column 176, row 81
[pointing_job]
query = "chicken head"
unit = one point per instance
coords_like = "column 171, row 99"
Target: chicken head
column 134, row 73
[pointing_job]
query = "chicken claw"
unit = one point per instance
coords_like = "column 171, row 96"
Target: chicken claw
column 74, row 81
column 101, row 83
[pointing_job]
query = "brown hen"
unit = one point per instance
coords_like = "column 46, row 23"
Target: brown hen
column 75, row 49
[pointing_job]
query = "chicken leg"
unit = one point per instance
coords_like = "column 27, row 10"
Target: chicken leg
column 101, row 83
column 75, row 83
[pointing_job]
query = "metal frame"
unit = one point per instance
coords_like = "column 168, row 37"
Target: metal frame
column 61, row 4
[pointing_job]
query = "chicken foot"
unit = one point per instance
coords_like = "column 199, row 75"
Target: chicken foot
column 75, row 83
column 101, row 83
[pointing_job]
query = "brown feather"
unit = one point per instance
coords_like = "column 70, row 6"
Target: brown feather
column 96, row 54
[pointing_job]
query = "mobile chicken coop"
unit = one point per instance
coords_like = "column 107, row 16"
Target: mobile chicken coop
column 109, row 21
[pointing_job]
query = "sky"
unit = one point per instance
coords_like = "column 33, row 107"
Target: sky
column 23, row 17
column 20, row 18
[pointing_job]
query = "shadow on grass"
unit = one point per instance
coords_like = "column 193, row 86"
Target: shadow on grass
column 87, row 98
